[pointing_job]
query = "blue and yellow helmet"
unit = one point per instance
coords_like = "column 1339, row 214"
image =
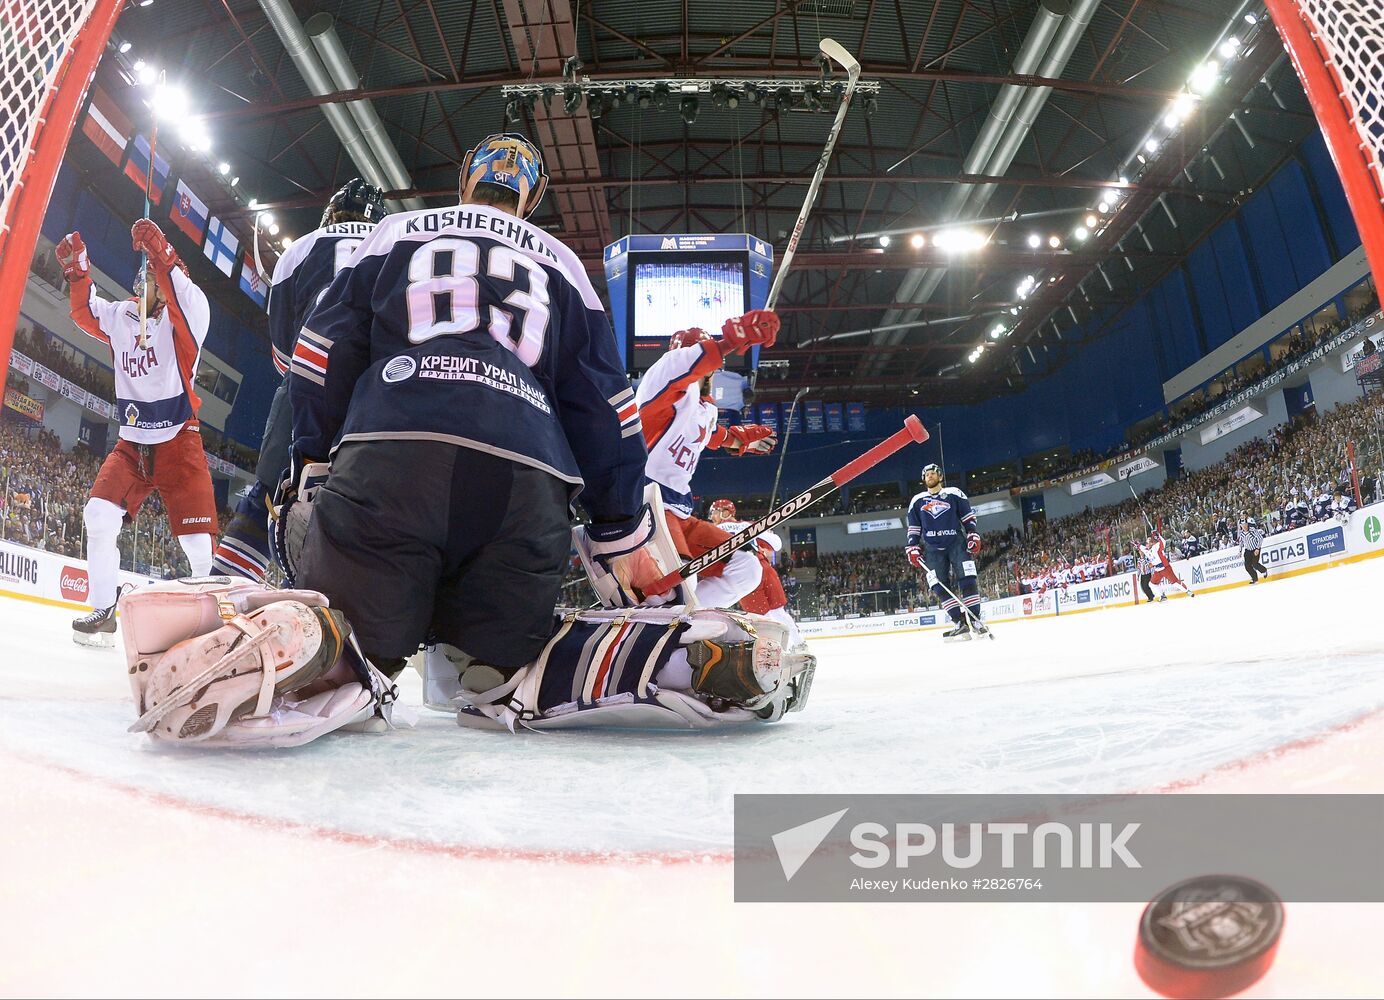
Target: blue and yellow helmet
column 510, row 161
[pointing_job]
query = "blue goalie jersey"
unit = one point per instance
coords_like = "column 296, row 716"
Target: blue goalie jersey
column 470, row 326
column 939, row 519
column 301, row 278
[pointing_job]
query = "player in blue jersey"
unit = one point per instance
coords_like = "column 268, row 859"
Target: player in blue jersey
column 943, row 541
column 300, row 278
column 464, row 381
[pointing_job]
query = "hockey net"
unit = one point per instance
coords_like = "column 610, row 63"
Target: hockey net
column 48, row 52
column 1337, row 48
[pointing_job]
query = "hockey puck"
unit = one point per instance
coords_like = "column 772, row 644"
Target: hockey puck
column 1210, row 936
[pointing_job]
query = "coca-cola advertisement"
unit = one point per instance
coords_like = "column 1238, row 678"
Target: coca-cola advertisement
column 73, row 584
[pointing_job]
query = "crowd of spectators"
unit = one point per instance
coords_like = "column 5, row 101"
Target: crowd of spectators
column 52, row 353
column 44, row 488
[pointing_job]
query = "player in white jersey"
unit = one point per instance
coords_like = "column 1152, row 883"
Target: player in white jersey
column 160, row 446
column 768, row 599
column 680, row 421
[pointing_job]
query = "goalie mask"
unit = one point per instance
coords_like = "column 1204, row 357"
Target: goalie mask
column 510, row 161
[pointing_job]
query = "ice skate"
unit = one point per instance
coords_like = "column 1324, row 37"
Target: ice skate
column 958, row 632
column 96, row 629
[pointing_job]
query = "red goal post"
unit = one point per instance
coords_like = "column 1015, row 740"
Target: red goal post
column 49, row 50
column 1337, row 48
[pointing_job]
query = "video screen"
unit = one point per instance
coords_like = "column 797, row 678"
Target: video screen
column 674, row 295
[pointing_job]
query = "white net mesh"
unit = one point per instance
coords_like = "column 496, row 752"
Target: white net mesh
column 34, row 37
column 1350, row 36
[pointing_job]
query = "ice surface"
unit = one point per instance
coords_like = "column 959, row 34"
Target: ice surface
column 1222, row 692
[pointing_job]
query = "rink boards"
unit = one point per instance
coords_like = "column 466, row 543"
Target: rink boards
column 34, row 575
column 1289, row 553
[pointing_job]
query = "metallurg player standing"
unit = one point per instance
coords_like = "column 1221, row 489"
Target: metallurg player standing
column 300, row 278
column 680, row 421
column 160, row 446
column 465, row 383
column 943, row 541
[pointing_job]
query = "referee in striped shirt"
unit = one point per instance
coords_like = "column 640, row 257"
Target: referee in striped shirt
column 1251, row 541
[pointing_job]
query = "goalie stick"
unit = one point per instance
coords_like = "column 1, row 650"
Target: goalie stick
column 911, row 431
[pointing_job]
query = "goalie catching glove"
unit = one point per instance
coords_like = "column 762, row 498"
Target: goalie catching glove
column 292, row 509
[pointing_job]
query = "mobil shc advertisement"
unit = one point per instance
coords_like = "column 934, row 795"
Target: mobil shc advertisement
column 1301, row 549
column 32, row 573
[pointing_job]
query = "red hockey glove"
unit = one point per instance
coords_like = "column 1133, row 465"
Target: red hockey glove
column 750, row 439
column 148, row 238
column 973, row 544
column 72, row 254
column 915, row 556
column 758, row 326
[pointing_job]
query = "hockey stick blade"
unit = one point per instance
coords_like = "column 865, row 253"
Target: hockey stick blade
column 911, row 432
column 837, row 53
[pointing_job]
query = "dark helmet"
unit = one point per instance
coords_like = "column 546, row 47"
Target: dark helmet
column 356, row 197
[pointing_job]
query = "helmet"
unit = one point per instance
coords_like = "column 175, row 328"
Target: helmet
column 137, row 286
column 510, row 161
column 357, row 198
column 1251, row 522
column 722, row 507
column 931, row 467
column 688, row 338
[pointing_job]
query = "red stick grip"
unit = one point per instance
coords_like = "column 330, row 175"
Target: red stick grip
column 911, row 431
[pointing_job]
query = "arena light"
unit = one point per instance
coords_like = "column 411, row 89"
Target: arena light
column 125, row 47
column 1251, row 18
column 254, row 205
column 1091, row 221
column 1080, row 233
column 170, row 102
column 145, row 73
column 959, row 240
column 1229, row 47
column 223, row 168
column 274, row 229
column 267, row 218
column 287, row 242
column 1203, row 78
column 917, row 241
column 884, row 240
column 1055, row 242
column 1102, row 208
column 1035, row 241
column 1151, row 146
column 996, row 333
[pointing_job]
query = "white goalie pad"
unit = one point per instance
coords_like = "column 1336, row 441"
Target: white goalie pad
column 640, row 668
column 232, row 663
column 596, row 557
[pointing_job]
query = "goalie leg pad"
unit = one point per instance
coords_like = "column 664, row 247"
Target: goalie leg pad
column 222, row 662
column 641, row 668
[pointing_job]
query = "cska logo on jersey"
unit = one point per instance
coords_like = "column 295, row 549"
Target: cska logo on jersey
column 936, row 507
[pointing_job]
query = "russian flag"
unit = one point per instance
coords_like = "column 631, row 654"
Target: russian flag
column 254, row 284
column 221, row 246
column 106, row 126
column 137, row 169
column 189, row 213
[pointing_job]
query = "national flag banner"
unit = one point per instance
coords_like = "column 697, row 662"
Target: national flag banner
column 222, row 245
column 137, row 169
column 106, row 126
column 189, row 213
column 253, row 283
